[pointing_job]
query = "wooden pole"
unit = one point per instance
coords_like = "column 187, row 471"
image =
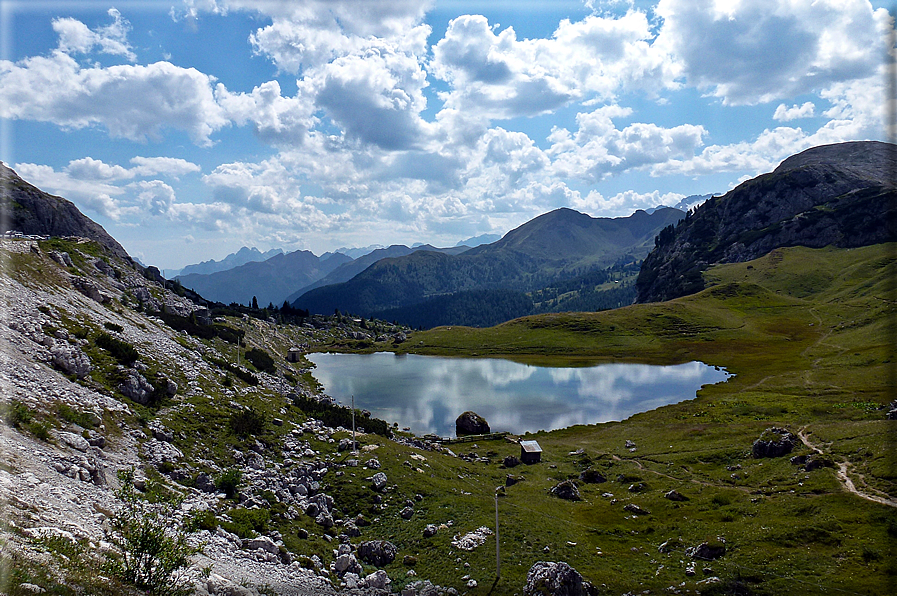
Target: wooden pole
column 497, row 543
column 354, row 450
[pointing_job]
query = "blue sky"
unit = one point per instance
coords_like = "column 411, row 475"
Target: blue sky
column 190, row 128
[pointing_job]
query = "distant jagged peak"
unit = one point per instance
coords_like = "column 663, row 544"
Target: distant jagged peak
column 235, row 259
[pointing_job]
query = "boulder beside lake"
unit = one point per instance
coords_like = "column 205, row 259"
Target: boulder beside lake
column 471, row 423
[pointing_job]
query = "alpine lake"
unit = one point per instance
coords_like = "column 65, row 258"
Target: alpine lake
column 427, row 393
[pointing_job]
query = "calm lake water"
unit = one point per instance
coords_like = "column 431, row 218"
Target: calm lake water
column 427, row 393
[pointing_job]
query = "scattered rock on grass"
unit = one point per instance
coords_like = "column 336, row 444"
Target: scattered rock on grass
column 556, row 579
column 377, row 552
column 566, row 490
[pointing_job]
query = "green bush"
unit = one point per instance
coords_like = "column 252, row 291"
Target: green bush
column 113, row 327
column 334, row 415
column 201, row 520
column 248, row 422
column 16, row 414
column 152, row 548
column 82, row 419
column 229, row 481
column 261, row 360
column 125, row 353
column 40, row 430
column 247, row 522
column 244, row 375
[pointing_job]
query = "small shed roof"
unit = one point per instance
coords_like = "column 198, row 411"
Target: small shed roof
column 295, row 349
column 530, row 446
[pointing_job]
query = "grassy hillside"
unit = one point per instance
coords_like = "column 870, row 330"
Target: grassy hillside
column 806, row 333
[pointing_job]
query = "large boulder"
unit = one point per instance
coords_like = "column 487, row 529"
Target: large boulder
column 136, row 387
column 377, row 552
column 707, row 551
column 592, row 476
column 71, row 360
column 556, row 579
column 566, row 490
column 774, row 442
column 378, row 481
column 471, row 423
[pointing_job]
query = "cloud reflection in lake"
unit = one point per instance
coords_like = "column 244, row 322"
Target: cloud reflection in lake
column 427, row 393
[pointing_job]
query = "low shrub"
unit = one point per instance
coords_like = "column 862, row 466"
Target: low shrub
column 229, row 481
column 122, row 351
column 16, row 414
column 69, row 414
column 201, row 520
column 334, row 415
column 153, row 552
column 261, row 360
column 247, row 522
column 113, row 327
column 248, row 422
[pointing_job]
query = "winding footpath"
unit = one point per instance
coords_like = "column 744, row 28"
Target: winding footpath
column 843, row 468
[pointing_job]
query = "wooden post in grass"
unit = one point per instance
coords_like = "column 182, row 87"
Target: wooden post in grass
column 354, row 445
column 497, row 544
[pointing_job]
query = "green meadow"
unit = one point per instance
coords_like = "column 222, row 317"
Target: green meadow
column 807, row 334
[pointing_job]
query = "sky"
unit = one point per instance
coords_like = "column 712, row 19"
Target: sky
column 190, row 128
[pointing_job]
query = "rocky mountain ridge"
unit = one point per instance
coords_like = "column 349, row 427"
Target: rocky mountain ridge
column 840, row 195
column 234, row 259
column 27, row 209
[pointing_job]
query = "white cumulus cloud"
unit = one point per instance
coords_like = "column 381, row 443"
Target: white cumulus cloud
column 76, row 37
column 756, row 51
column 783, row 113
column 132, row 101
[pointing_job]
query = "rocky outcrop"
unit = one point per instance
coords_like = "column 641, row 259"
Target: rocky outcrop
column 566, row 490
column 136, row 387
column 706, row 551
column 71, row 360
column 377, row 552
column 556, row 579
column 30, row 210
column 471, row 423
column 774, row 442
column 830, row 195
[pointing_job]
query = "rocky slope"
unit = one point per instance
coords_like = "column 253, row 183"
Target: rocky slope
column 73, row 417
column 840, row 195
column 29, row 210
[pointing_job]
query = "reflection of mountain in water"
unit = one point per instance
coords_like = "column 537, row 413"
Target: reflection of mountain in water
column 427, row 393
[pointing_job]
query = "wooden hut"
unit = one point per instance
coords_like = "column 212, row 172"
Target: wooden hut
column 294, row 354
column 530, row 452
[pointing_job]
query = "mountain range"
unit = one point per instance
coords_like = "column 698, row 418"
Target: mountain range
column 841, row 195
column 557, row 245
column 269, row 281
column 234, row 259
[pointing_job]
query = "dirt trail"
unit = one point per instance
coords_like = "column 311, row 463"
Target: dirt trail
column 844, row 477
